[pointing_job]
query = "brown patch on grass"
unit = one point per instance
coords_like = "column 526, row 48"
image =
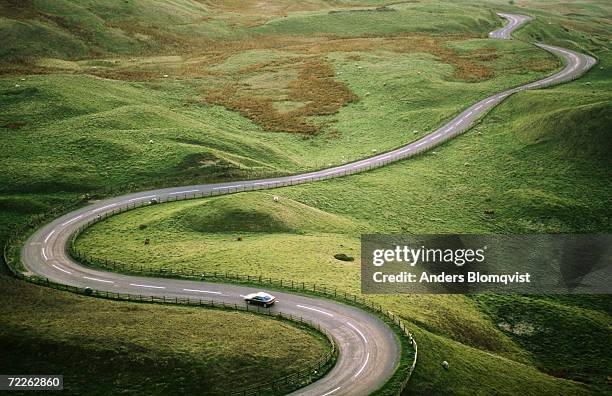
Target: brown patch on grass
column 202, row 53
column 147, row 75
column 23, row 66
column 17, row 9
column 73, row 28
column 260, row 91
column 154, row 36
column 15, row 125
column 314, row 86
column 334, row 134
column 537, row 65
column 466, row 67
column 269, row 8
column 128, row 75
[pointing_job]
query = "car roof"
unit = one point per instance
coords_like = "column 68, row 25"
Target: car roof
column 260, row 294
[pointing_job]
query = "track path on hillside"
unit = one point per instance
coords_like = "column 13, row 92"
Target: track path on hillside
column 369, row 350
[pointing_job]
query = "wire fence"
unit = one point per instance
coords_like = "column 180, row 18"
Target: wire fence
column 21, row 231
column 281, row 385
column 227, row 277
column 259, row 280
column 11, row 257
column 277, row 386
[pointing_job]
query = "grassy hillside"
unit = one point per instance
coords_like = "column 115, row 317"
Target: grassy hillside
column 116, row 123
column 536, row 164
column 104, row 347
column 100, row 95
column 76, row 29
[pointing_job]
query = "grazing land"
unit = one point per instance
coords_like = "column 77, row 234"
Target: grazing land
column 101, row 346
column 101, row 96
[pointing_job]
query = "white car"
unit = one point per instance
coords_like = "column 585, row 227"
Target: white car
column 260, row 298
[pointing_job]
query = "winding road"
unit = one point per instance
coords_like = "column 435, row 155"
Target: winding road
column 369, row 351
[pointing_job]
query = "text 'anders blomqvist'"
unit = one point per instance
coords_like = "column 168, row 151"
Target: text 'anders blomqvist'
column 458, row 257
column 472, row 277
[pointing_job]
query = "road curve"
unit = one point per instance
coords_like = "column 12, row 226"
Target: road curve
column 514, row 22
column 369, row 350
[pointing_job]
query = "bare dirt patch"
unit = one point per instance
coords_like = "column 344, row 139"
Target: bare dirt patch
column 314, row 86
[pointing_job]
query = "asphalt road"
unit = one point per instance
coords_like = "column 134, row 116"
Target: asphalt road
column 514, row 22
column 369, row 350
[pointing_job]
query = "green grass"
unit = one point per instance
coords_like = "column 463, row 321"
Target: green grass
column 472, row 372
column 77, row 29
column 538, row 163
column 436, row 17
column 565, row 339
column 101, row 347
column 88, row 141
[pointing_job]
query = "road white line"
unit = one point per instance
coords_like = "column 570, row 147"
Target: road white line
column 201, row 291
column 358, row 331
column 104, row 207
column 44, row 254
column 61, row 269
column 227, row 187
column 183, row 192
column 330, row 392
column 469, row 114
column 49, row 236
column 316, row 310
column 139, row 198
column 98, row 280
column 364, row 365
column 147, row 286
column 72, row 220
column 477, row 107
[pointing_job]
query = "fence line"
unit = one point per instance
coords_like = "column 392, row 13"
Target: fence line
column 217, row 276
column 227, row 277
column 282, row 385
column 295, row 380
column 277, row 386
column 14, row 265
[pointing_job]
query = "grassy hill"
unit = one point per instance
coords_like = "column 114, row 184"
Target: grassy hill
column 101, row 347
column 68, row 29
column 101, row 96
